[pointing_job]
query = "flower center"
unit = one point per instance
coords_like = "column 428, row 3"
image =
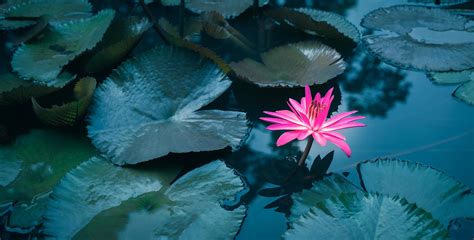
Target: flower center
column 314, row 109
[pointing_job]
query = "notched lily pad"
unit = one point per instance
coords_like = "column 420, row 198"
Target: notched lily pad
column 68, row 114
column 317, row 22
column 292, row 65
column 22, row 13
column 120, row 38
column 358, row 216
column 32, row 166
column 420, row 38
column 148, row 107
column 465, row 91
column 115, row 202
column 444, row 197
column 228, row 8
column 43, row 60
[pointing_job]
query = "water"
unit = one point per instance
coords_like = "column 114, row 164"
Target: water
column 407, row 117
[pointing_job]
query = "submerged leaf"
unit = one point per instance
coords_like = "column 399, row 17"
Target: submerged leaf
column 148, row 106
column 228, row 8
column 292, row 65
column 14, row 90
column 317, row 22
column 19, row 14
column 421, row 38
column 357, row 216
column 444, row 197
column 42, row 60
column 68, row 114
column 32, row 166
column 116, row 202
column 120, row 38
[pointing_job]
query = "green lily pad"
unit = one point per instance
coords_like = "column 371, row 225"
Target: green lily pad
column 228, row 8
column 120, row 38
column 355, row 216
column 292, row 65
column 330, row 186
column 42, row 60
column 19, row 14
column 420, row 38
column 120, row 203
column 438, row 2
column 15, row 91
column 444, row 197
column 148, row 107
column 317, row 22
column 32, row 166
column 68, row 114
column 465, row 92
column 451, row 77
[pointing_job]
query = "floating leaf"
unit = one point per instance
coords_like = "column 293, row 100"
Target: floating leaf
column 191, row 28
column 68, row 114
column 147, row 108
column 228, row 8
column 445, row 198
column 421, row 38
column 120, row 38
column 317, row 22
column 438, row 2
column 98, row 200
column 355, row 216
column 19, row 14
column 292, row 65
column 465, row 92
column 14, row 90
column 32, row 166
column 43, row 60
column 34, row 31
column 332, row 185
column 451, row 77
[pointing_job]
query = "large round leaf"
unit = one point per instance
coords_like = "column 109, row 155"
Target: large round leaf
column 228, row 8
column 102, row 201
column 147, row 108
column 292, row 65
column 354, row 216
column 32, row 166
column 465, row 91
column 444, row 197
column 42, row 60
column 18, row 14
column 421, row 38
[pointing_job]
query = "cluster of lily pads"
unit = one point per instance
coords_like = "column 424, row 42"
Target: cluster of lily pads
column 64, row 185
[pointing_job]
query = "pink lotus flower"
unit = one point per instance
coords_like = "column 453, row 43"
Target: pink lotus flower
column 308, row 118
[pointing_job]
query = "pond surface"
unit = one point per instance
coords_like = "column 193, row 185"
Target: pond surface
column 408, row 117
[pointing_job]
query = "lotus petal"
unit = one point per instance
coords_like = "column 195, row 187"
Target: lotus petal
column 98, row 200
column 292, row 65
column 32, row 166
column 355, row 216
column 61, row 44
column 420, row 38
column 148, row 106
column 444, row 197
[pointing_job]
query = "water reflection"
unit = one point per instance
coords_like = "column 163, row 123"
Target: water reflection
column 372, row 87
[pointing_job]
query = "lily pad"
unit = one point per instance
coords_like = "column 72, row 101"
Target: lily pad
column 68, row 114
column 316, row 22
column 148, row 107
column 191, row 28
column 420, row 38
column 120, row 38
column 43, row 60
column 355, row 216
column 32, row 166
column 121, row 203
column 292, row 65
column 15, row 91
column 465, row 92
column 438, row 2
column 444, row 197
column 451, row 77
column 228, row 8
column 19, row 14
column 330, row 186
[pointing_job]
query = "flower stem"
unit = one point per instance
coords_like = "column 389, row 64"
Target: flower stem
column 306, row 151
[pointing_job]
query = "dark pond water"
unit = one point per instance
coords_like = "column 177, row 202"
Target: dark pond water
column 407, row 117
